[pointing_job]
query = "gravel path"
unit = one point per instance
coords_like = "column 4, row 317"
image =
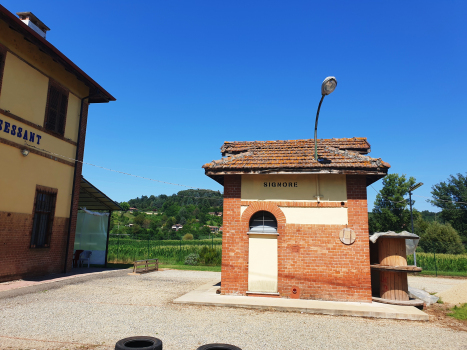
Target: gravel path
column 434, row 284
column 455, row 295
column 97, row 313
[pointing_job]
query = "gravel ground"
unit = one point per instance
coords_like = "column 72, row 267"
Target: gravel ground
column 455, row 295
column 97, row 313
column 434, row 284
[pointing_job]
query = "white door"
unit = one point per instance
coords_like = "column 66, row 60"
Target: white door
column 262, row 263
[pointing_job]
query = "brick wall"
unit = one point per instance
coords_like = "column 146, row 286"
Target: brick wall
column 18, row 260
column 311, row 258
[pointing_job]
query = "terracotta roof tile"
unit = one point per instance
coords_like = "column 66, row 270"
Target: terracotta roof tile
column 348, row 153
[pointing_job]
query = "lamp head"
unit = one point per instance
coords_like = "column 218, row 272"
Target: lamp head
column 328, row 85
column 24, row 152
column 414, row 187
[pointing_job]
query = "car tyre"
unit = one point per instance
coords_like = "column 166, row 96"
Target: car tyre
column 140, row 343
column 218, row 347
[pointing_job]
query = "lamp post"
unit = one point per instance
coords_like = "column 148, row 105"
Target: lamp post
column 411, row 188
column 328, row 86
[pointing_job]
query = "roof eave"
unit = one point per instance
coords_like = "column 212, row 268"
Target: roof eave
column 46, row 47
column 372, row 175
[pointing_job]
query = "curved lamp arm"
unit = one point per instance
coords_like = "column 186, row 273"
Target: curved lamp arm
column 316, row 127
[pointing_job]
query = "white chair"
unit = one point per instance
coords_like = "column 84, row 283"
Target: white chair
column 86, row 255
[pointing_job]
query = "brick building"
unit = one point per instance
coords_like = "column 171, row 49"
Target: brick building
column 44, row 99
column 295, row 227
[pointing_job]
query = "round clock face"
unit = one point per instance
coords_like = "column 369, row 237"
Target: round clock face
column 347, row 236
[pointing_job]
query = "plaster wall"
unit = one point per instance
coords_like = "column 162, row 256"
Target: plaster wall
column 315, row 216
column 24, row 90
column 293, row 187
column 19, row 176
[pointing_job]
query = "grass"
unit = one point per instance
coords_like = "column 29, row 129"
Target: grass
column 168, row 252
column 168, row 266
column 192, row 268
column 459, row 312
column 443, row 273
column 443, row 262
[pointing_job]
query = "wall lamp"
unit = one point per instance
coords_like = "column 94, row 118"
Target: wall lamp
column 24, row 152
column 328, row 86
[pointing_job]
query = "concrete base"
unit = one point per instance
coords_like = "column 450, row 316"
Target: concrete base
column 206, row 295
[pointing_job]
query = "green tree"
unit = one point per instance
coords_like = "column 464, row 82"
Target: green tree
column 125, row 206
column 205, row 231
column 391, row 212
column 441, row 238
column 139, row 219
column 447, row 195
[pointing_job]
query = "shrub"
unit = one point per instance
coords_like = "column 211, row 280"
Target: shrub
column 441, row 238
column 188, row 237
column 210, row 256
column 192, row 259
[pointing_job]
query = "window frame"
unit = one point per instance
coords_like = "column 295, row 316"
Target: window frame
column 49, row 211
column 61, row 106
column 255, row 217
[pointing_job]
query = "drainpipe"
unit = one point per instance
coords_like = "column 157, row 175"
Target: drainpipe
column 74, row 183
column 108, row 236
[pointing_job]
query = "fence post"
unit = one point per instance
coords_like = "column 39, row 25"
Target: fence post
column 118, row 246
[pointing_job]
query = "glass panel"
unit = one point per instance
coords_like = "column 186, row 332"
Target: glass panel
column 263, row 222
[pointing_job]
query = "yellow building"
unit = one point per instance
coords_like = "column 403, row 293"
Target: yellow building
column 44, row 99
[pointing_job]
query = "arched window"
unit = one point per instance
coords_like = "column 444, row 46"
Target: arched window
column 263, row 221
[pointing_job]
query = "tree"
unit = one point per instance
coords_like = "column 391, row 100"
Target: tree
column 447, row 195
column 125, row 206
column 205, row 231
column 390, row 212
column 441, row 238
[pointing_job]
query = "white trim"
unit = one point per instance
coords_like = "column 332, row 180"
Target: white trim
column 263, row 233
column 265, row 293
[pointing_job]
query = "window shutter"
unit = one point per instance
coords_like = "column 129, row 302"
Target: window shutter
column 54, row 102
column 62, row 113
column 44, row 212
column 57, row 105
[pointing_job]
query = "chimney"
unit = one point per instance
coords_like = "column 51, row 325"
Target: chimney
column 33, row 22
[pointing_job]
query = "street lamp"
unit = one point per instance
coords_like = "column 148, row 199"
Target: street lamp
column 328, row 86
column 411, row 188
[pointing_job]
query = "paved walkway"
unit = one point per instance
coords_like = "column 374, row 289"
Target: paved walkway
column 206, row 295
column 59, row 277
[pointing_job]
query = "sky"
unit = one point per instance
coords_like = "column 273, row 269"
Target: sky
column 189, row 75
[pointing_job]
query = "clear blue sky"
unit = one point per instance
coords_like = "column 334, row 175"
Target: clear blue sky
column 189, row 75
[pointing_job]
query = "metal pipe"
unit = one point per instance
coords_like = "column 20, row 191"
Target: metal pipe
column 411, row 220
column 108, row 236
column 316, row 127
column 78, row 143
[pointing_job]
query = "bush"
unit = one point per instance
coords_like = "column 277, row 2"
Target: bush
column 192, row 259
column 441, row 238
column 188, row 237
column 210, row 256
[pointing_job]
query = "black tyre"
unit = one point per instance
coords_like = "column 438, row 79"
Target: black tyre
column 218, row 347
column 140, row 343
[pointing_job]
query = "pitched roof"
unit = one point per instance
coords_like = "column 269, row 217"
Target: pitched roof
column 344, row 156
column 97, row 92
